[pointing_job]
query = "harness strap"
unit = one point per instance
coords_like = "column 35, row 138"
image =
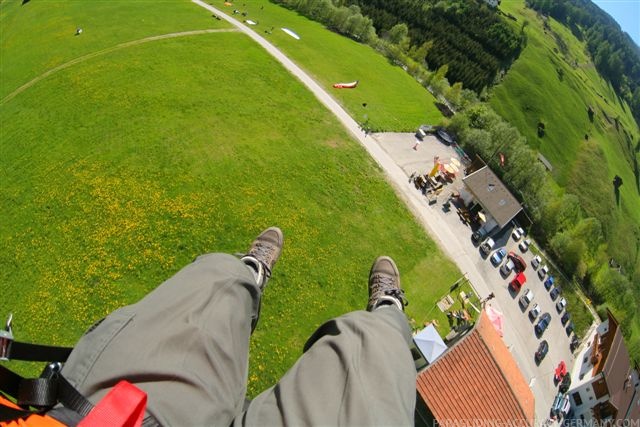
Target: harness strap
column 43, row 392
column 38, row 353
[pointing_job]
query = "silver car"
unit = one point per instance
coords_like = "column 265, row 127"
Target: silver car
column 526, row 298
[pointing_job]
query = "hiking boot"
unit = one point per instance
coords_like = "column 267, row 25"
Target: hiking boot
column 263, row 254
column 384, row 285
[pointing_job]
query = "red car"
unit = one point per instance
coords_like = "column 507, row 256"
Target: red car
column 517, row 282
column 518, row 262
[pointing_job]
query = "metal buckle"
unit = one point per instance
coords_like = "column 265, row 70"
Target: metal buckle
column 6, row 339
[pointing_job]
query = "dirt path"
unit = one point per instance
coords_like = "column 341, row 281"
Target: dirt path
column 103, row 52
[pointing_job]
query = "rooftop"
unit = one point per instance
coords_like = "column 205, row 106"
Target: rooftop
column 477, row 380
column 492, row 194
column 607, row 354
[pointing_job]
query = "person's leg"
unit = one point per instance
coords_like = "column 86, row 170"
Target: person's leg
column 186, row 343
column 356, row 369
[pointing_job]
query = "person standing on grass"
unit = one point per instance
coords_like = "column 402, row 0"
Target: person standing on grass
column 186, row 346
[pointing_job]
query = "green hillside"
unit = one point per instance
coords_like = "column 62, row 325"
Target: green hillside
column 589, row 135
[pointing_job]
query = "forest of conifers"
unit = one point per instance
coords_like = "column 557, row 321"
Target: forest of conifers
column 467, row 35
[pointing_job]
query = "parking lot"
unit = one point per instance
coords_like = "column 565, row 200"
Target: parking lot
column 454, row 237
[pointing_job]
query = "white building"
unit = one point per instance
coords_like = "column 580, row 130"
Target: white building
column 605, row 386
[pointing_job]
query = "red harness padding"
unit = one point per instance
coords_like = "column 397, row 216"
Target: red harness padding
column 123, row 406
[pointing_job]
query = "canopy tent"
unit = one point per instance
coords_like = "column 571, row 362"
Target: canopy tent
column 452, row 169
column 455, row 161
column 430, row 343
column 497, row 319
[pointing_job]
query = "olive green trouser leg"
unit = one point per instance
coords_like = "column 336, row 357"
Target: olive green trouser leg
column 356, row 370
column 185, row 344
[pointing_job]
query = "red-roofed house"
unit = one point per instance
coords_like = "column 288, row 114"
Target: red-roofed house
column 475, row 382
column 606, row 385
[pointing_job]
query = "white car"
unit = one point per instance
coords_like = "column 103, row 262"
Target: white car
column 534, row 312
column 560, row 305
column 524, row 245
column 543, row 271
column 507, row 267
column 535, row 262
column 517, row 233
column 487, row 245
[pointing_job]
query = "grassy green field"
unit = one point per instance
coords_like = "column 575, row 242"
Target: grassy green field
column 394, row 100
column 554, row 82
column 37, row 48
column 120, row 169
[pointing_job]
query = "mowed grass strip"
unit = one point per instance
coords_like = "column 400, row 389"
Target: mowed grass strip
column 394, row 100
column 40, row 35
column 120, row 170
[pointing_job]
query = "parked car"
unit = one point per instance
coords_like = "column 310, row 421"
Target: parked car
column 542, row 324
column 517, row 234
column 535, row 262
column 423, row 131
column 526, row 298
column 524, row 245
column 444, row 136
column 569, row 328
column 575, row 343
column 564, row 385
column 554, row 293
column 543, row 271
column 498, row 256
column 565, row 318
column 478, row 235
column 507, row 267
column 534, row 312
column 542, row 351
column 518, row 261
column 561, row 304
column 548, row 284
column 517, row 282
column 487, row 245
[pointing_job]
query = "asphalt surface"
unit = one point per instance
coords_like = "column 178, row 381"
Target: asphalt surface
column 396, row 157
column 454, row 238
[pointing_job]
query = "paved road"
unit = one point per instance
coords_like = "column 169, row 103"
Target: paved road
column 518, row 332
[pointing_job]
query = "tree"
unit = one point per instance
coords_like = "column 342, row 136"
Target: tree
column 441, row 73
column 569, row 251
column 419, row 54
column 453, row 95
column 398, row 34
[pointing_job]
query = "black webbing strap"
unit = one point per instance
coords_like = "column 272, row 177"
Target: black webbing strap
column 9, row 381
column 47, row 392
column 43, row 392
column 38, row 353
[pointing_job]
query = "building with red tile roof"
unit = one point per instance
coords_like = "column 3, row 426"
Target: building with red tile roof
column 605, row 383
column 476, row 382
